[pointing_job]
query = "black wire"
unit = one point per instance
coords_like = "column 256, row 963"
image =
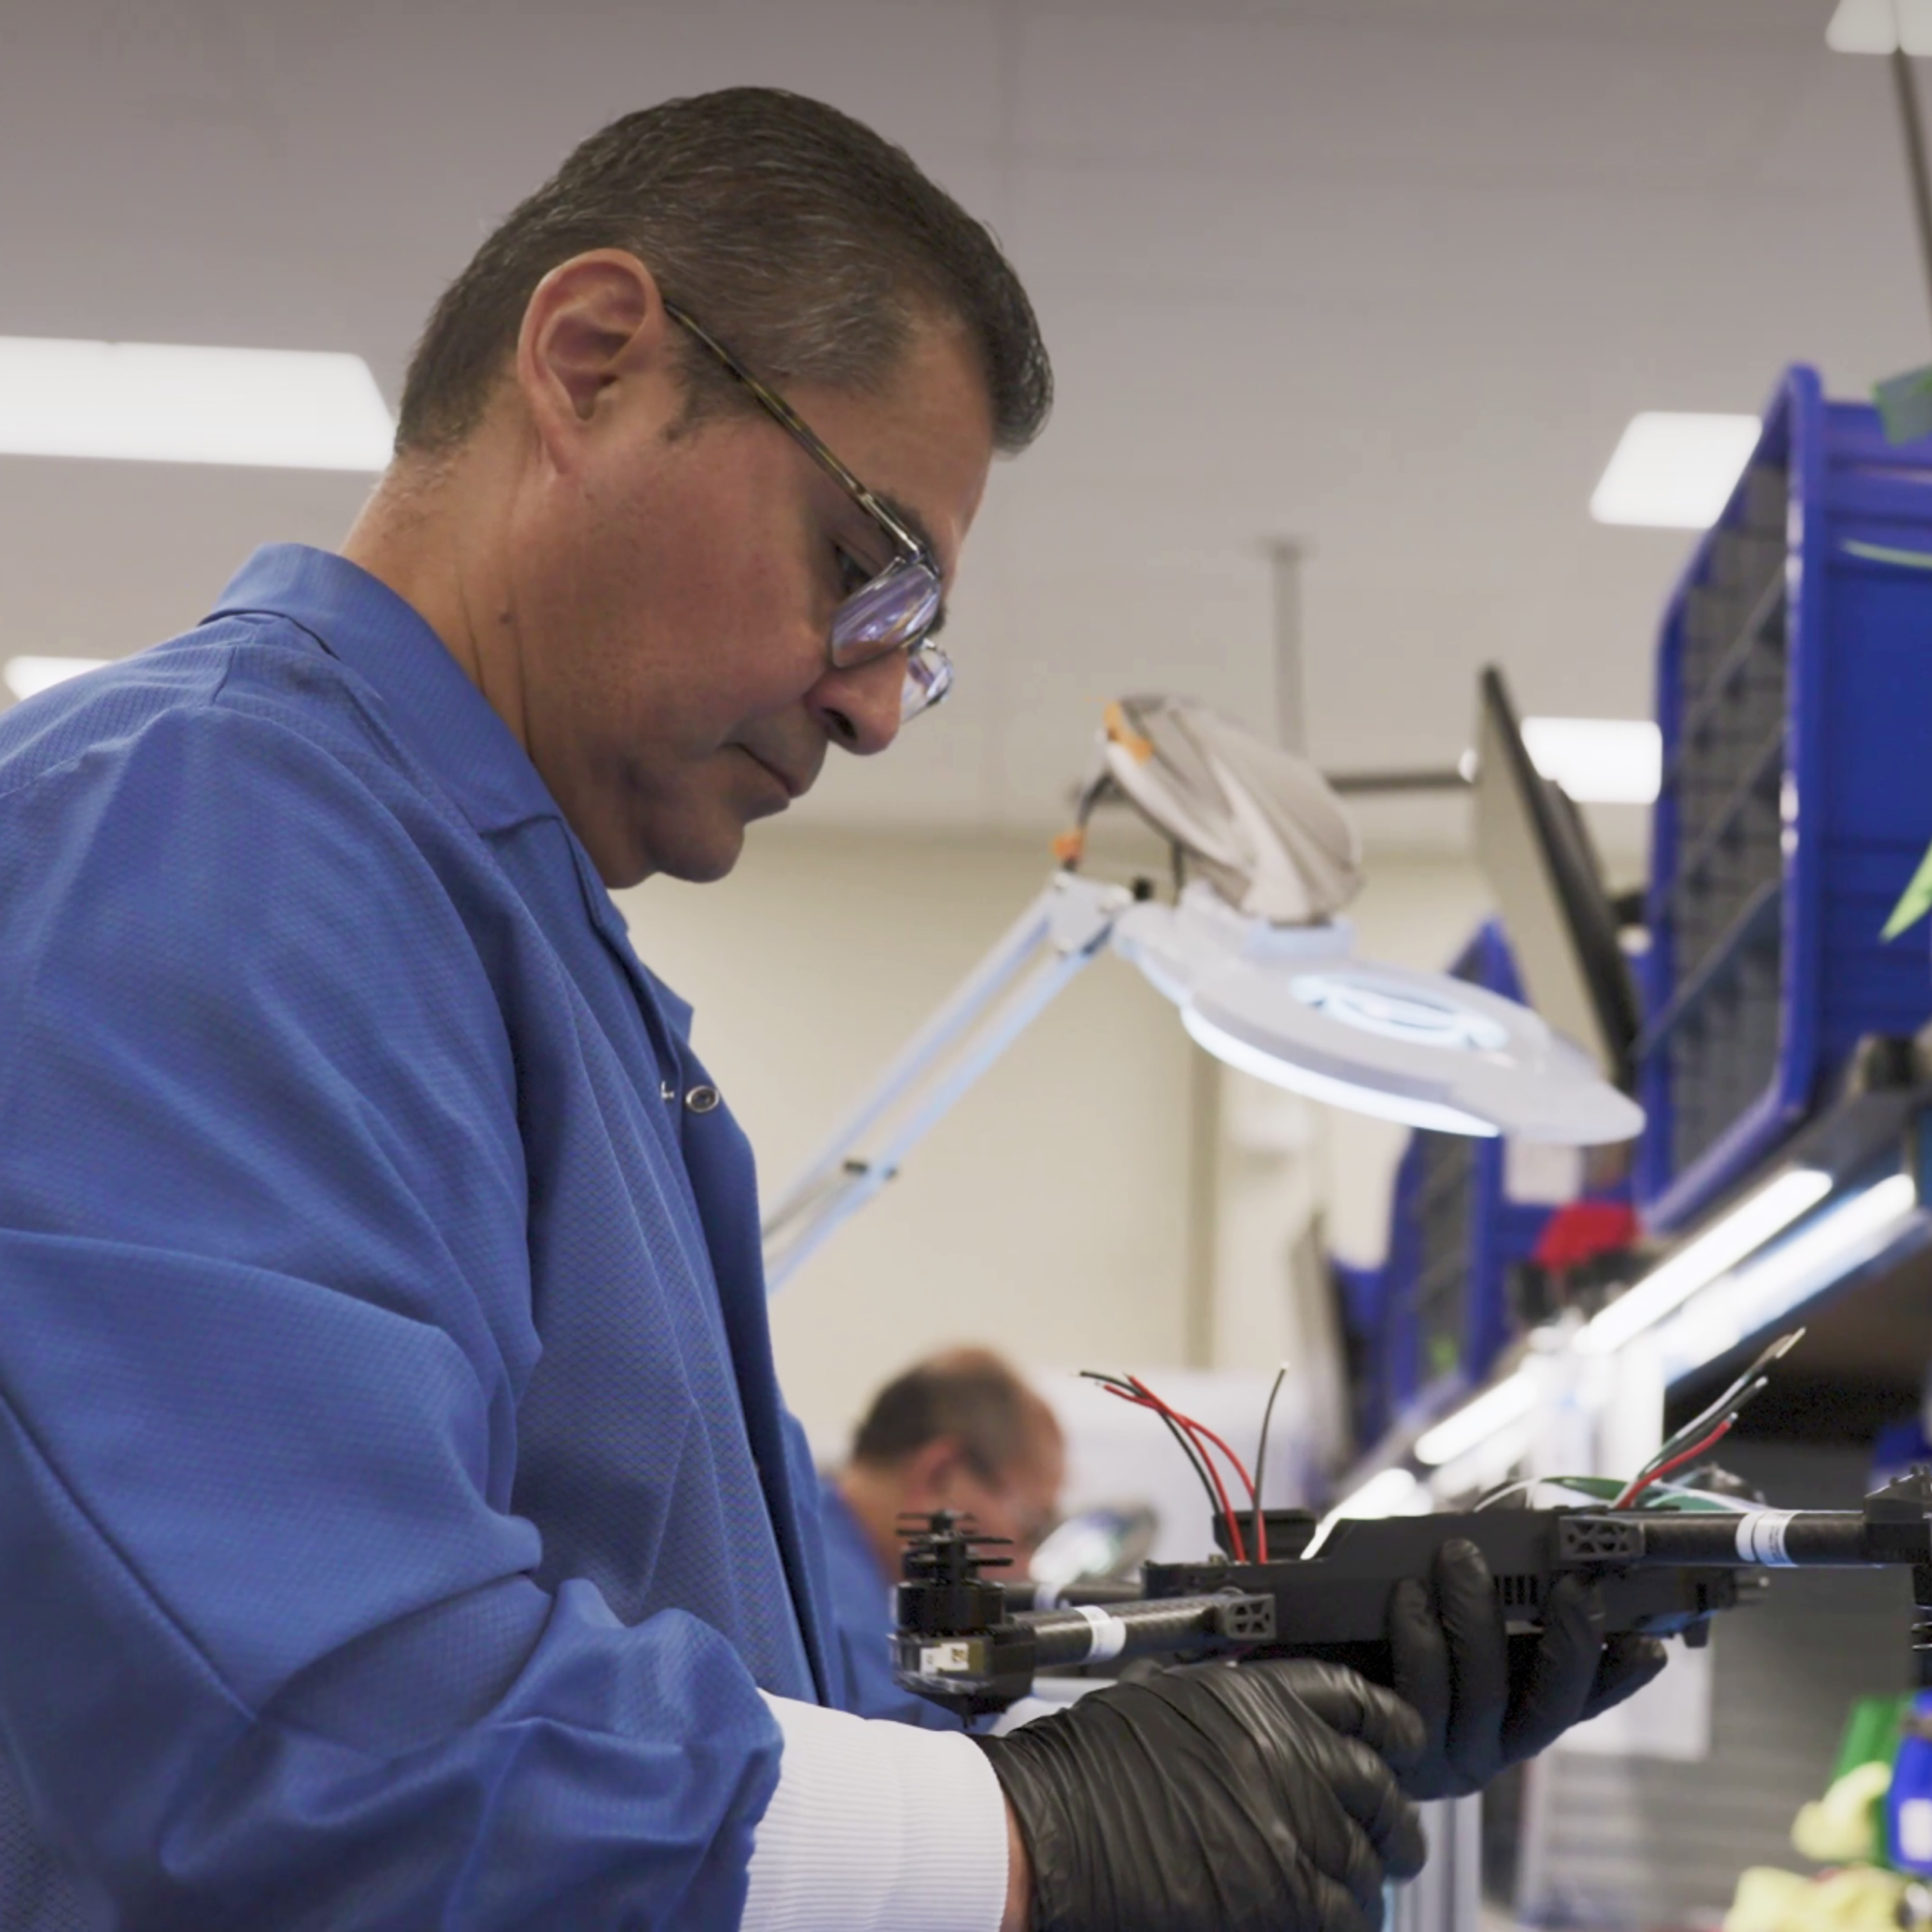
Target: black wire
column 1734, row 1401
column 1261, row 1457
column 1737, row 1398
column 1782, row 1347
column 1730, row 1405
column 1187, row 1448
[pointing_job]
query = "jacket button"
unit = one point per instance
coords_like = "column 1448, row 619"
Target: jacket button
column 702, row 1099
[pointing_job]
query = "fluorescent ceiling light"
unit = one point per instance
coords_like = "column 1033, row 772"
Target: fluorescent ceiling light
column 26, row 675
column 1848, row 1235
column 1598, row 760
column 1880, row 26
column 1387, row 1492
column 1395, row 1492
column 148, row 402
column 1698, row 1263
column 1475, row 1422
column 1673, row 470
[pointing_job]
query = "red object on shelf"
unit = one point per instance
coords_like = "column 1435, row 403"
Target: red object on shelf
column 1582, row 1230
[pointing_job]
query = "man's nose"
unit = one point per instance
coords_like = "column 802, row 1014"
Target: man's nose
column 859, row 708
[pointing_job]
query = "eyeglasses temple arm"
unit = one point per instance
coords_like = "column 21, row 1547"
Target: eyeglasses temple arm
column 801, row 432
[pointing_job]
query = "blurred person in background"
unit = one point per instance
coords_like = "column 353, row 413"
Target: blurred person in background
column 960, row 1430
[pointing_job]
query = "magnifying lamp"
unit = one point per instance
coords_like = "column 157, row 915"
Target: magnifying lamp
column 1253, row 953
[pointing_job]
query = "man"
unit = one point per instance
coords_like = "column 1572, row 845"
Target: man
column 958, row 1431
column 402, row 1528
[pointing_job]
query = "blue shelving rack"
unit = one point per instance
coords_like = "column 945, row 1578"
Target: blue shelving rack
column 1439, row 1303
column 1794, row 699
column 1358, row 1292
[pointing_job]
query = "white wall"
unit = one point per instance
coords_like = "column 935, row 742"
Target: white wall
column 1047, row 1215
column 1052, row 1213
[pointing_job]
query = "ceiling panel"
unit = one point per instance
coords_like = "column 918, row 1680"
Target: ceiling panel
column 1386, row 276
column 1439, row 95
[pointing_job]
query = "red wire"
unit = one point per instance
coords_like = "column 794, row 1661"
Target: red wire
column 1656, row 1475
column 1195, row 1431
column 1237, row 1548
column 1187, row 1422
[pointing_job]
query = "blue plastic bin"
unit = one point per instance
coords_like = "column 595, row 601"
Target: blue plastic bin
column 1794, row 698
column 1359, row 1295
column 1454, row 1235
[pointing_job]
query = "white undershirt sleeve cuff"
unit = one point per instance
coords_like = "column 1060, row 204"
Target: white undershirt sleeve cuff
column 875, row 1827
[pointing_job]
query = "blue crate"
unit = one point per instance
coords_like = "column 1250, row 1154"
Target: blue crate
column 1794, row 698
column 1358, row 1293
column 1454, row 1236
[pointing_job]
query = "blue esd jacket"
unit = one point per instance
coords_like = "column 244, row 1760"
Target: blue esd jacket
column 398, row 1510
column 860, row 1613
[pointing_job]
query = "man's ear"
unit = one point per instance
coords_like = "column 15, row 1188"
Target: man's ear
column 594, row 325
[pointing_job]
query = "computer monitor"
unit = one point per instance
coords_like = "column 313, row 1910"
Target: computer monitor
column 1537, row 855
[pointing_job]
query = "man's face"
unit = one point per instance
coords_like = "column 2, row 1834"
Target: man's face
column 1021, row 1504
column 673, row 592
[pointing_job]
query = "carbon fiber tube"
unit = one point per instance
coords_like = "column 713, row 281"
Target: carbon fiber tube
column 1174, row 1626
column 1825, row 1539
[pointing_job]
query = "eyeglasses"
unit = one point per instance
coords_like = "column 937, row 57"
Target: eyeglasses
column 897, row 608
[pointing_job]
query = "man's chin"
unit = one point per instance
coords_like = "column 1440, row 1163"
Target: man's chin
column 706, row 853
column 702, row 843
column 704, row 865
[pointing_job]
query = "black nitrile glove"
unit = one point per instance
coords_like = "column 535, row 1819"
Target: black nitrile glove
column 1248, row 1798
column 1452, row 1663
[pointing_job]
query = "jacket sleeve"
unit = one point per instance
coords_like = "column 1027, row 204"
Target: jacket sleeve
column 270, row 1651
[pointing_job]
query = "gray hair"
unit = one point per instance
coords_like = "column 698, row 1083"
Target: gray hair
column 807, row 244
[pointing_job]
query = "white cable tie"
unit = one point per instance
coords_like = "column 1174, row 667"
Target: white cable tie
column 1110, row 1633
column 1761, row 1538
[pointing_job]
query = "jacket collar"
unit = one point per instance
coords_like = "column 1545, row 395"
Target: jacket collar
column 428, row 699
column 429, row 702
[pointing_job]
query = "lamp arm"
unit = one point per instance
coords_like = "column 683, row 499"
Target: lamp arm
column 1057, row 937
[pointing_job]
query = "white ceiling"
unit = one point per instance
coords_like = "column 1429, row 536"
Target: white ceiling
column 1386, row 276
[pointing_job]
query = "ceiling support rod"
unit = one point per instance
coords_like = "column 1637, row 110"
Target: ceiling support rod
column 1914, row 132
